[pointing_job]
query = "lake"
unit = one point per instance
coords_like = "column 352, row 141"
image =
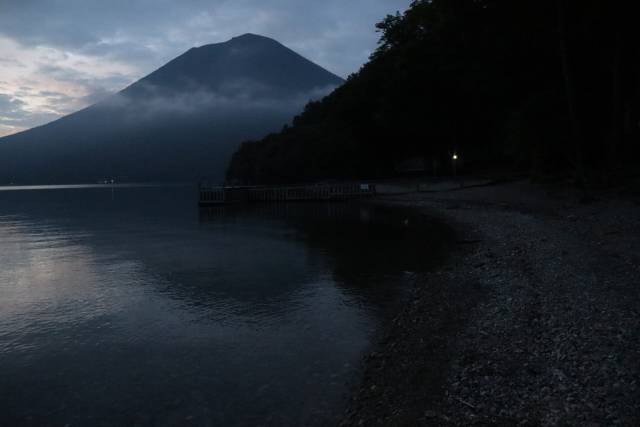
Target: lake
column 131, row 306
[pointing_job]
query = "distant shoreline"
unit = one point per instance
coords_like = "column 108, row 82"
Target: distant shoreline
column 89, row 186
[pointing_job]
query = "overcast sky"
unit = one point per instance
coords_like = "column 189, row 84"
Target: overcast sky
column 58, row 56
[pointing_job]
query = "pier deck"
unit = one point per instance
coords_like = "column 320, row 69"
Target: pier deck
column 217, row 195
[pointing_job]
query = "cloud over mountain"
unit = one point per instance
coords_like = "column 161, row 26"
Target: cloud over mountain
column 180, row 122
column 89, row 48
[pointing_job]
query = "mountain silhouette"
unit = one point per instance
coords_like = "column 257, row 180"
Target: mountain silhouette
column 181, row 122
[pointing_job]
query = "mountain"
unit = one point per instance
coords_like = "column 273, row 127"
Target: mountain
column 181, row 122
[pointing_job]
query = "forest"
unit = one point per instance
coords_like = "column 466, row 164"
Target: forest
column 548, row 88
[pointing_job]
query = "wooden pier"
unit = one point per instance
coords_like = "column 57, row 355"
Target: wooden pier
column 212, row 195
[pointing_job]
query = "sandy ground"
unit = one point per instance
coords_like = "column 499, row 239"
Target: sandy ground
column 533, row 320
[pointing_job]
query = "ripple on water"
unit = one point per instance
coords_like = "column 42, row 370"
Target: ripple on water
column 117, row 311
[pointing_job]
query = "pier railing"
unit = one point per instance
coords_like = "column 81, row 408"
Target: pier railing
column 212, row 195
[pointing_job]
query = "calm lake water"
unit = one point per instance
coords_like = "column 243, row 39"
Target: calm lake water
column 133, row 307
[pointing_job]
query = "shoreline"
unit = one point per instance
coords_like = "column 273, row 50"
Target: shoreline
column 533, row 319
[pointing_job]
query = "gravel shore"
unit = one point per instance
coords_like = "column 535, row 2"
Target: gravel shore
column 534, row 319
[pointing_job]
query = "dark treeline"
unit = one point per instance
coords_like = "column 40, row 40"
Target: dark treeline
column 547, row 87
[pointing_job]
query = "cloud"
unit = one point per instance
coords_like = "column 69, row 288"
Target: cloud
column 42, row 83
column 14, row 116
column 86, row 49
column 9, row 105
column 239, row 96
column 153, row 31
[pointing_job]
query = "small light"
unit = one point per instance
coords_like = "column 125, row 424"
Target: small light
column 455, row 157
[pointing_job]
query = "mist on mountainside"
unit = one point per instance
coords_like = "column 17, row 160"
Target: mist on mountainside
column 179, row 123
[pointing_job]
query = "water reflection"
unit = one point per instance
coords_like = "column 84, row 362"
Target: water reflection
column 142, row 309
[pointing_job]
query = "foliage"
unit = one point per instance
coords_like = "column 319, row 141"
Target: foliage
column 548, row 86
